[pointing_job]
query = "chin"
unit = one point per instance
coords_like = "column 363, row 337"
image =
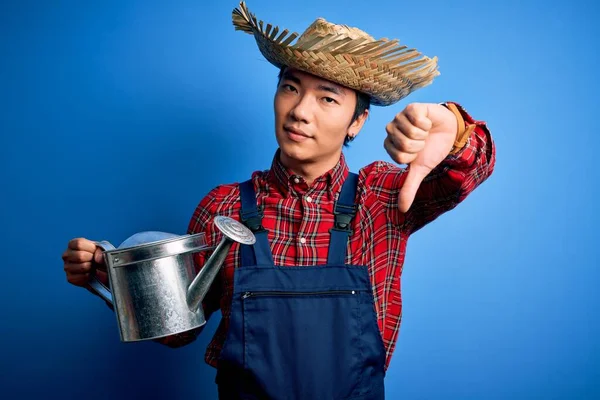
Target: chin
column 296, row 151
column 293, row 152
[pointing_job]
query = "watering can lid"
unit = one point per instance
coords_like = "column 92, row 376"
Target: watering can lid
column 150, row 245
column 146, row 237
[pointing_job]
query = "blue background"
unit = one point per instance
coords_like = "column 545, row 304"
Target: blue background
column 119, row 116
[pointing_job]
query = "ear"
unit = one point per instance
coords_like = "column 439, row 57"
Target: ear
column 357, row 125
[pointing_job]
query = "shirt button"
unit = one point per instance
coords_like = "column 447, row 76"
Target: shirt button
column 303, row 240
column 296, row 180
column 309, row 199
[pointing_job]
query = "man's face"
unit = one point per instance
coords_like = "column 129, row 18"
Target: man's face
column 312, row 118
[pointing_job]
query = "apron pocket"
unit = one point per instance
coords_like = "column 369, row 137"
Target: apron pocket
column 303, row 345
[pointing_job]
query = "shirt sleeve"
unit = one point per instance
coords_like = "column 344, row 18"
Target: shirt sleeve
column 200, row 222
column 469, row 164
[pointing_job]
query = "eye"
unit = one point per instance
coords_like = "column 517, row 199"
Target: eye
column 329, row 100
column 288, row 88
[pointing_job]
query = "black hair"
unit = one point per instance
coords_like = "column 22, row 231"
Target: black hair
column 363, row 103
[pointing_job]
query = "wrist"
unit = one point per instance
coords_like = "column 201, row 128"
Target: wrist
column 463, row 130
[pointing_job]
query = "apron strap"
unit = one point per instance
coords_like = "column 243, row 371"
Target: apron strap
column 343, row 211
column 260, row 252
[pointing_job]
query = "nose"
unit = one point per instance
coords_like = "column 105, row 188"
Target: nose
column 302, row 110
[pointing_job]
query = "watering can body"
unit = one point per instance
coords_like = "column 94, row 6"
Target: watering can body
column 154, row 289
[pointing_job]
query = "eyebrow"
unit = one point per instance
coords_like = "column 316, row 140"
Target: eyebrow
column 326, row 88
column 332, row 89
column 288, row 76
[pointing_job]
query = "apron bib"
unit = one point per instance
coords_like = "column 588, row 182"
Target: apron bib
column 306, row 332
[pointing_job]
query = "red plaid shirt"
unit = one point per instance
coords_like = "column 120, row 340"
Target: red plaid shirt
column 298, row 219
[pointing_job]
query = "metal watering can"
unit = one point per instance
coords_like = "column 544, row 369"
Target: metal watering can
column 153, row 286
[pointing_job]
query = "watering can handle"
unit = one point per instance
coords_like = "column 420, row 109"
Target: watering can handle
column 95, row 283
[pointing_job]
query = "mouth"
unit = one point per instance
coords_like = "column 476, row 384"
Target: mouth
column 296, row 135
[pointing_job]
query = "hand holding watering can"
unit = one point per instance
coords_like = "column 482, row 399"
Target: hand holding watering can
column 152, row 285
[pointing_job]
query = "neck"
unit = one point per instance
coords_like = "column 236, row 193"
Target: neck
column 309, row 170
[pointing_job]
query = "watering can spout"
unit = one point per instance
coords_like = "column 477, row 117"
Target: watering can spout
column 233, row 231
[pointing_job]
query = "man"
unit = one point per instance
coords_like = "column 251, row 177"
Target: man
column 313, row 309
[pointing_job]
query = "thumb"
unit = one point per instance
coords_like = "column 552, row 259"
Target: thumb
column 416, row 174
column 99, row 256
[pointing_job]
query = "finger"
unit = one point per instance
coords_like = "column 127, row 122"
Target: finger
column 397, row 155
column 99, row 256
column 402, row 124
column 82, row 244
column 403, row 143
column 78, row 268
column 391, row 149
column 79, row 279
column 77, row 256
column 408, row 192
column 418, row 116
column 406, row 145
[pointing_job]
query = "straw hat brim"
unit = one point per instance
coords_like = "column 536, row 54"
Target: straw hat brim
column 382, row 69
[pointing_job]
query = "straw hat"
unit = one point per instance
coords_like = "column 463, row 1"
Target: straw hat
column 382, row 68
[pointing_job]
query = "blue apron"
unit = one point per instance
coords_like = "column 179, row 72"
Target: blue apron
column 306, row 332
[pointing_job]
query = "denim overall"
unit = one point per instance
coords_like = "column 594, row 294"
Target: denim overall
column 306, row 332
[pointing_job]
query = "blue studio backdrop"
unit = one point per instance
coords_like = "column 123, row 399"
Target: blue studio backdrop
column 119, row 116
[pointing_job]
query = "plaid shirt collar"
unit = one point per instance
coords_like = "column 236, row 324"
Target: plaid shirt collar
column 291, row 185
